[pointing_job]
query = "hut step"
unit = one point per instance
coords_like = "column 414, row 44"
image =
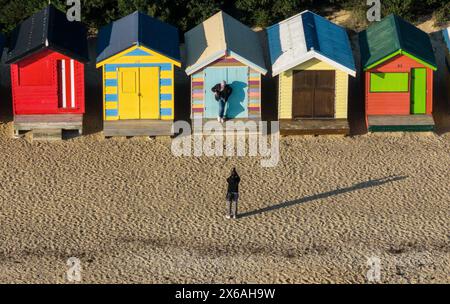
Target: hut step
column 47, row 134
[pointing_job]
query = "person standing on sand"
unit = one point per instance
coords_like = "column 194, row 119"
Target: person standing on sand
column 233, row 194
column 222, row 91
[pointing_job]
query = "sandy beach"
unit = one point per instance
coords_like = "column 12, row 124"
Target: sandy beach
column 132, row 212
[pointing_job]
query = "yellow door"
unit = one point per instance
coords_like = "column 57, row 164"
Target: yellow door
column 149, row 89
column 129, row 93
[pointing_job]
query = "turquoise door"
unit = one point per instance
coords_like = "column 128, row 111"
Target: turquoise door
column 237, row 78
column 212, row 76
column 237, row 105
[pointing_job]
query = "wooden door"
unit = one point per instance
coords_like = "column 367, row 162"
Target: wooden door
column 149, row 93
column 129, row 93
column 313, row 94
column 324, row 94
column 303, row 94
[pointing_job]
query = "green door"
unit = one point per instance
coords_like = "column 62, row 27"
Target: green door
column 418, row 91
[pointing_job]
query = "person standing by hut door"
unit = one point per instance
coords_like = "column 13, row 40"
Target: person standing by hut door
column 233, row 194
column 222, row 91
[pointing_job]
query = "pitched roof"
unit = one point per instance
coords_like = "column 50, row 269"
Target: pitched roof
column 49, row 28
column 394, row 35
column 446, row 34
column 138, row 29
column 218, row 36
column 306, row 36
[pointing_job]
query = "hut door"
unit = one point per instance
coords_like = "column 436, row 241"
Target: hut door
column 213, row 76
column 418, row 91
column 313, row 94
column 303, row 94
column 149, row 93
column 237, row 105
column 324, row 94
column 129, row 93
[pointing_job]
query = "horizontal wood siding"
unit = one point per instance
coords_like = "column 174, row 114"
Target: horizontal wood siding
column 197, row 95
column 254, row 94
column 285, row 95
column 396, row 103
column 341, row 95
column 44, row 99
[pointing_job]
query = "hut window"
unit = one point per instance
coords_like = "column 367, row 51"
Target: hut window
column 389, row 82
column 38, row 73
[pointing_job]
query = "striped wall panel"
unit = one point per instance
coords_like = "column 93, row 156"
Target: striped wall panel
column 254, row 94
column 197, row 95
column 226, row 61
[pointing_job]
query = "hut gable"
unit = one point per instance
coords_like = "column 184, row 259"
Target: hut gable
column 48, row 29
column 138, row 30
column 219, row 36
column 306, row 36
column 394, row 36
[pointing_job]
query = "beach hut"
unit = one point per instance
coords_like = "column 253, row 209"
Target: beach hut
column 222, row 48
column 446, row 34
column 138, row 55
column 313, row 60
column 398, row 62
column 47, row 54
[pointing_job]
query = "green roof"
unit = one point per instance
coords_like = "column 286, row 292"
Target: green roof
column 392, row 36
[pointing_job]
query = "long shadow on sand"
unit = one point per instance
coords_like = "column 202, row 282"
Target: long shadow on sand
column 359, row 186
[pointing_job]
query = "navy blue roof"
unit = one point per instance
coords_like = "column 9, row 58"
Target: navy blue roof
column 328, row 39
column 138, row 29
column 48, row 28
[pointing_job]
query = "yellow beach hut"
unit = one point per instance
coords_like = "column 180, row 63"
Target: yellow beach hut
column 138, row 55
column 313, row 59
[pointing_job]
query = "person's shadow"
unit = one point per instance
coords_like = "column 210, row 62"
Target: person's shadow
column 359, row 186
column 235, row 104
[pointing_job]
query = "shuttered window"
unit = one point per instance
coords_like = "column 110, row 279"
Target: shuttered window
column 389, row 82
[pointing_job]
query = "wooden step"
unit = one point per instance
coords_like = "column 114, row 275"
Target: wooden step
column 47, row 134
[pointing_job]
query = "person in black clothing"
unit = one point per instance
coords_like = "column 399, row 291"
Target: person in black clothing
column 222, row 91
column 233, row 194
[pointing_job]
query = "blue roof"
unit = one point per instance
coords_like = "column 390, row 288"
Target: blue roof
column 305, row 36
column 138, row 29
column 328, row 39
column 446, row 33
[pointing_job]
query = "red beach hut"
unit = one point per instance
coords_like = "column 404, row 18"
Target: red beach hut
column 47, row 55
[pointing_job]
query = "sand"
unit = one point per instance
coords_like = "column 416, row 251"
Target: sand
column 134, row 213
